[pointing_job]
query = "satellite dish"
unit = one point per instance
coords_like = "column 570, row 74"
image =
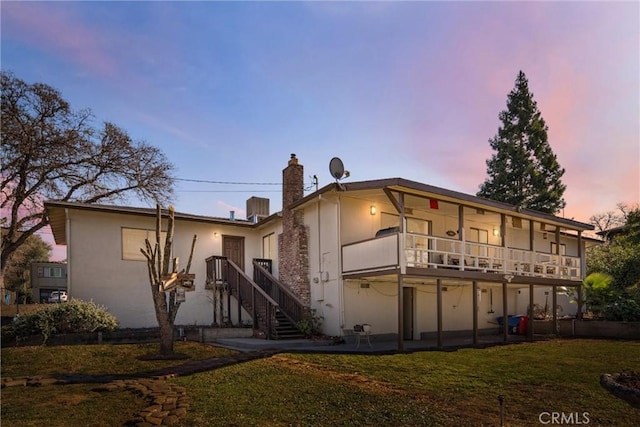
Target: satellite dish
column 336, row 168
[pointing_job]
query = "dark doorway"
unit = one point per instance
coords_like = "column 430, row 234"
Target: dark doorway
column 407, row 313
column 233, row 249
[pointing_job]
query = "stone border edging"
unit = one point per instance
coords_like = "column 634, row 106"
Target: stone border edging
column 169, row 403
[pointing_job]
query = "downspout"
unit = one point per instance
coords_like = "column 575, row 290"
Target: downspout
column 340, row 281
column 403, row 271
column 339, row 255
column 67, row 237
column 319, row 242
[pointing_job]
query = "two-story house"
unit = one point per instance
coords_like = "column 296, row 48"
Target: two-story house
column 47, row 277
column 413, row 260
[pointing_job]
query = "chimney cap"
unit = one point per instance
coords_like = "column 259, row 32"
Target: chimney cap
column 293, row 160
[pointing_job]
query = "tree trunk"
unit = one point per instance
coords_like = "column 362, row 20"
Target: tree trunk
column 164, row 302
column 166, row 338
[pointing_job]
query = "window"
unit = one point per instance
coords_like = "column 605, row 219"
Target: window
column 413, row 225
column 133, row 240
column 51, row 272
column 478, row 235
column 417, row 225
column 269, row 246
column 563, row 248
column 389, row 220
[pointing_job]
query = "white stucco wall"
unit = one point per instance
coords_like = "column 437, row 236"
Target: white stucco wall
column 99, row 273
column 542, row 296
column 324, row 263
column 378, row 306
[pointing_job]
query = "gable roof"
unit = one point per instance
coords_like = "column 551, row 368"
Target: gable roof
column 55, row 210
column 429, row 191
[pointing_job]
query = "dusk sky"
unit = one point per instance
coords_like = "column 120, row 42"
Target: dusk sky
column 395, row 89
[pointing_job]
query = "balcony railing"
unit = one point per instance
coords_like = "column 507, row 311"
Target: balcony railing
column 425, row 251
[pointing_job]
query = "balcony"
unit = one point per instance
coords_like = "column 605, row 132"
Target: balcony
column 431, row 252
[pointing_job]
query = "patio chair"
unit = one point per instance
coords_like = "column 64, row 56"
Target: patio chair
column 363, row 330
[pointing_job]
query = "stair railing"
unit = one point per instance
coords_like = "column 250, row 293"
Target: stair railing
column 216, row 271
column 248, row 294
column 288, row 303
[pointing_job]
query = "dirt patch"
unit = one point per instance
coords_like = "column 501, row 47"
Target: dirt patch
column 361, row 381
column 449, row 411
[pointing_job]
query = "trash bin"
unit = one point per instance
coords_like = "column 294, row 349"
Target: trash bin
column 522, row 325
column 512, row 323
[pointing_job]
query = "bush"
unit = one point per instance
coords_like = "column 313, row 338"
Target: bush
column 623, row 309
column 8, row 334
column 75, row 316
column 310, row 325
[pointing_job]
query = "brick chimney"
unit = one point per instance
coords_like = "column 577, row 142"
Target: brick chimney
column 293, row 251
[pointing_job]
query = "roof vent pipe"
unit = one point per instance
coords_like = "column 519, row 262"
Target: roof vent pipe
column 232, row 215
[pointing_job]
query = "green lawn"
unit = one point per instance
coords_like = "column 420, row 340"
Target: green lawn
column 426, row 388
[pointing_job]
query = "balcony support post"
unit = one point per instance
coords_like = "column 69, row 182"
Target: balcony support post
column 439, row 310
column 580, row 302
column 532, row 234
column 530, row 313
column 581, row 261
column 475, row 312
column 554, row 301
column 505, row 311
column 462, row 235
column 400, row 314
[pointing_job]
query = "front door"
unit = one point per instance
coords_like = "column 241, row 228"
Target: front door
column 233, row 249
column 407, row 313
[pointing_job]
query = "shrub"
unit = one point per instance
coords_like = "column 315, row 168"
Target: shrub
column 310, row 325
column 623, row 309
column 75, row 316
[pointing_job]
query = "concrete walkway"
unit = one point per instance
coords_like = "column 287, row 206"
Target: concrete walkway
column 377, row 346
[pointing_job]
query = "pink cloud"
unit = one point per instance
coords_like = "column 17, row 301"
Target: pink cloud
column 56, row 29
column 583, row 102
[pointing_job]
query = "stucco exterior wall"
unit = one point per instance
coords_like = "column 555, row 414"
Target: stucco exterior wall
column 377, row 305
column 324, row 263
column 99, row 273
column 543, row 296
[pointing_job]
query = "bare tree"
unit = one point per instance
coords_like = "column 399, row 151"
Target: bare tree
column 164, row 282
column 49, row 151
column 611, row 219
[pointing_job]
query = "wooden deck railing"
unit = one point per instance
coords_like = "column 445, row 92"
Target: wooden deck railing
column 426, row 251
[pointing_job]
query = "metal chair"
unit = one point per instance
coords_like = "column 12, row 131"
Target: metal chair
column 363, row 330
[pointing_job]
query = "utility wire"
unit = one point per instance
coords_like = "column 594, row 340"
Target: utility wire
column 227, row 182
column 229, row 191
column 307, row 185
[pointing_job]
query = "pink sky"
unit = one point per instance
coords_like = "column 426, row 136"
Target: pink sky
column 410, row 89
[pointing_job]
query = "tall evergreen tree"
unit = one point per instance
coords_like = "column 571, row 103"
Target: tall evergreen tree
column 523, row 171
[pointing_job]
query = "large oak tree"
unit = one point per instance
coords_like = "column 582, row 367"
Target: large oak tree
column 523, row 171
column 51, row 152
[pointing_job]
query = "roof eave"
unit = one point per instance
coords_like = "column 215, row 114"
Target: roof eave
column 406, row 186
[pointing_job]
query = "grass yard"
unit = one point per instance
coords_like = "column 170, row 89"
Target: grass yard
column 426, row 388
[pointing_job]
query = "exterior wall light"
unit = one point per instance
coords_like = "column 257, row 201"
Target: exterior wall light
column 372, row 210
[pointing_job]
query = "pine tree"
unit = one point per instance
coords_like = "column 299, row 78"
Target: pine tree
column 523, row 171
